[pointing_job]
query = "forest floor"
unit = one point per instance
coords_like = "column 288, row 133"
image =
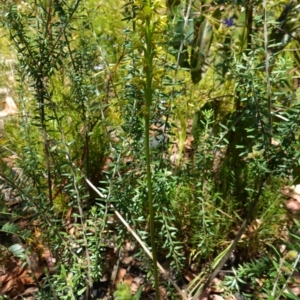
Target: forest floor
column 22, row 277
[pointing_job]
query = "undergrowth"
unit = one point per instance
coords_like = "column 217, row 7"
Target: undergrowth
column 110, row 123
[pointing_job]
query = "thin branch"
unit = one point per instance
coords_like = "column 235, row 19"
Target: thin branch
column 267, row 58
column 294, row 267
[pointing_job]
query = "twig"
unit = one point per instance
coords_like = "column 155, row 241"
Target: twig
column 287, row 280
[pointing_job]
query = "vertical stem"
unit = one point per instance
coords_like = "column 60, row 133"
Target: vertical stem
column 151, row 209
column 41, row 95
column 267, row 58
column 249, row 20
column 148, row 99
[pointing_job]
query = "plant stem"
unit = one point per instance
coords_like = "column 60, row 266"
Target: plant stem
column 148, row 99
column 151, row 209
column 267, row 59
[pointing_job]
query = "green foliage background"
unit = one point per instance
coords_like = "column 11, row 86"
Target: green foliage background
column 223, row 123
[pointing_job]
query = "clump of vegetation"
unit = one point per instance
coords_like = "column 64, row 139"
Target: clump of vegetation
column 152, row 141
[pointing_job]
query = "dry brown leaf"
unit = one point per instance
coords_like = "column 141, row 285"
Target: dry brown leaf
column 294, row 286
column 293, row 206
column 134, row 287
column 250, row 230
column 253, row 227
column 260, row 281
column 68, row 216
column 231, row 297
column 295, row 289
column 9, row 107
column 275, row 142
column 129, row 246
column 188, row 144
column 11, row 274
column 13, row 287
column 296, row 189
column 138, row 280
column 107, row 163
column 216, row 286
column 286, row 191
column 174, row 158
column 16, row 279
column 10, row 161
column 26, row 279
column 13, row 284
column 188, row 275
column 296, row 197
column 121, row 273
column 163, row 293
column 72, row 231
column 50, row 260
column 128, row 279
column 136, row 283
column 216, row 297
column 127, row 260
column 104, row 278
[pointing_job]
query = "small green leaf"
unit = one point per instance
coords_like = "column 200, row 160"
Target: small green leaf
column 17, row 250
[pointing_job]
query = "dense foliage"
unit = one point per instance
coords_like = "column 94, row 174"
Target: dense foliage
column 180, row 118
